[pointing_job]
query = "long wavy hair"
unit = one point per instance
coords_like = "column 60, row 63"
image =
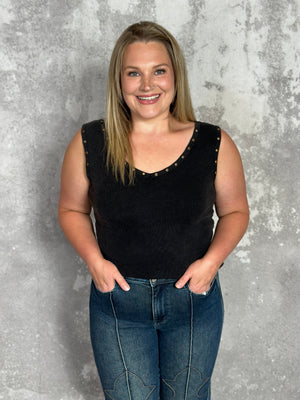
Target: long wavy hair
column 118, row 118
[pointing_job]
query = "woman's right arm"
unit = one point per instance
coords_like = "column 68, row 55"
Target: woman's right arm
column 74, row 218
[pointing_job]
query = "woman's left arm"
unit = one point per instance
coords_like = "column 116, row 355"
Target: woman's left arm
column 233, row 212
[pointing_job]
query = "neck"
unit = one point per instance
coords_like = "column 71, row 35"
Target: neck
column 153, row 127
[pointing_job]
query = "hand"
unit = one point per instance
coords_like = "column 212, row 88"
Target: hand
column 199, row 275
column 105, row 275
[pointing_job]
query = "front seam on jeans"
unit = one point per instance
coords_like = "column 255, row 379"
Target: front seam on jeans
column 152, row 305
column 191, row 347
column 120, row 346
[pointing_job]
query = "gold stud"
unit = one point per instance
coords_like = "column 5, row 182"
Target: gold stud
column 156, row 174
column 176, row 164
column 144, row 173
column 217, row 150
column 215, row 161
column 218, row 138
column 189, row 148
column 167, row 169
column 87, row 164
column 84, row 141
column 196, row 130
column 182, row 156
column 86, row 152
column 193, row 140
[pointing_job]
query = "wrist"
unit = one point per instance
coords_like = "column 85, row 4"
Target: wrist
column 211, row 263
column 96, row 263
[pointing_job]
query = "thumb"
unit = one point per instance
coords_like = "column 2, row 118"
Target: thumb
column 122, row 282
column 183, row 280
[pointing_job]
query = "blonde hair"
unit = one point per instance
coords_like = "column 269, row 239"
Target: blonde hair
column 118, row 119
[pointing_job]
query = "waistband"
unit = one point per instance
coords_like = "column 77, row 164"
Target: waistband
column 151, row 282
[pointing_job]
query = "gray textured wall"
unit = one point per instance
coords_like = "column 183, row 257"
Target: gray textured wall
column 243, row 60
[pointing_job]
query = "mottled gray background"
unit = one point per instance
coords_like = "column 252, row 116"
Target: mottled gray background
column 243, row 62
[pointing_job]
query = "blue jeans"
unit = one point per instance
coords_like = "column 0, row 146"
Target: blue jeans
column 156, row 341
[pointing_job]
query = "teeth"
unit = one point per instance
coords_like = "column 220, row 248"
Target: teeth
column 148, row 98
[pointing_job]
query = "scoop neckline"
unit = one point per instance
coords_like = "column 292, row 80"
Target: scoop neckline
column 176, row 163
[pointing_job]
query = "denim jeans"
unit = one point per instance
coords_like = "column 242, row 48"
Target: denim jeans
column 156, row 341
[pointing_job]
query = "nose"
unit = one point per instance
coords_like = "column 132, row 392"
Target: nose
column 147, row 83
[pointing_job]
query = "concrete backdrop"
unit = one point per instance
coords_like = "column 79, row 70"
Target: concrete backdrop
column 243, row 62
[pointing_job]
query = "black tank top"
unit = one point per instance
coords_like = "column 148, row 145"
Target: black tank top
column 157, row 227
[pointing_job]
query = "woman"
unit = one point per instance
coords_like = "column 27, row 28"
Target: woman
column 152, row 176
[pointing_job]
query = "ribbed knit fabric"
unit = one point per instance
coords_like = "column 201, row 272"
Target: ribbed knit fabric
column 157, row 227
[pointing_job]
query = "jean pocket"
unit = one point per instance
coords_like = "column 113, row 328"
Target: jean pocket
column 100, row 291
column 208, row 292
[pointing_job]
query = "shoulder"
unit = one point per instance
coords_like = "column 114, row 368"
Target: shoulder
column 215, row 134
column 230, row 168
column 208, row 134
column 75, row 149
column 93, row 127
column 227, row 146
column 207, row 128
column 93, row 133
column 207, row 125
column 230, row 181
column 85, row 137
column 95, row 124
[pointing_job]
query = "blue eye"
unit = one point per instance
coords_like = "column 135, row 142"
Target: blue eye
column 133, row 73
column 160, row 72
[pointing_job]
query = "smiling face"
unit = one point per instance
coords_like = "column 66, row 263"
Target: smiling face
column 147, row 80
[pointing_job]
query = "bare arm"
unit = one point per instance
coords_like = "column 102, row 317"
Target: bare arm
column 233, row 212
column 74, row 218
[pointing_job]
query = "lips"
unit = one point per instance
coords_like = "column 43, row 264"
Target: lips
column 148, row 97
column 147, row 100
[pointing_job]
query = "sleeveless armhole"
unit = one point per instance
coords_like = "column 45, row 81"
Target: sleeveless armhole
column 217, row 148
column 86, row 150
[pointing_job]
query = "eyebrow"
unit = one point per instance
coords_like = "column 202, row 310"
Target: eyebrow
column 155, row 66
